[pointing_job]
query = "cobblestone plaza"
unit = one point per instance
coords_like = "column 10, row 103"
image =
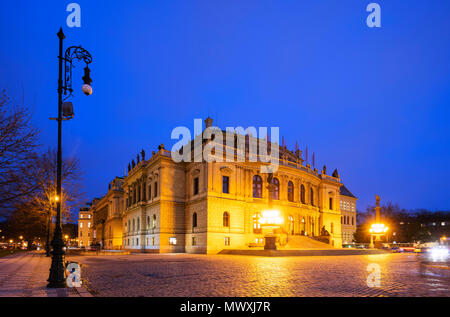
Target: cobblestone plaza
column 189, row 275
column 224, row 275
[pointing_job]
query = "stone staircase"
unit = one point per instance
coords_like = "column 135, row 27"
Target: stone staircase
column 304, row 242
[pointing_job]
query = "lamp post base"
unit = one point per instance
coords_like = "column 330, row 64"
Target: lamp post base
column 270, row 243
column 56, row 278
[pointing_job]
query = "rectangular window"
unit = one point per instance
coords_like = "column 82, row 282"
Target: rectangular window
column 225, row 184
column 153, row 240
column 196, row 186
column 81, row 234
column 172, row 241
column 194, row 241
column 331, row 203
column 81, row 225
column 156, row 189
column 227, row 240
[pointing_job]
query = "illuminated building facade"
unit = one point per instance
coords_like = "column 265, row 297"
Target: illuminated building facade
column 84, row 227
column 205, row 207
column 348, row 218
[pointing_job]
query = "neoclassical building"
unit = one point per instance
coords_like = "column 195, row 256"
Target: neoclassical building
column 205, row 207
column 107, row 215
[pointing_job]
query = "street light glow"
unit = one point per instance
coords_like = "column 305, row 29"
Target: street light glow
column 378, row 228
column 271, row 217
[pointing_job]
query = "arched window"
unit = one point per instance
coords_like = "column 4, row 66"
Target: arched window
column 290, row 190
column 348, row 220
column 148, row 222
column 276, row 188
column 303, row 226
column 256, row 224
column 129, row 225
column 291, row 224
column 311, row 196
column 154, row 221
column 226, row 219
column 257, row 186
column 302, row 193
column 194, row 220
column 353, row 221
column 134, row 227
column 331, row 203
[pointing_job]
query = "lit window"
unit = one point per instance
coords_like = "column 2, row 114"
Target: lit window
column 194, row 241
column 172, row 241
column 81, row 225
column 89, row 224
column 442, row 223
column 256, row 224
column 227, row 240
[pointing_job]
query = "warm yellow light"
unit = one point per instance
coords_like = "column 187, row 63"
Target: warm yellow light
column 56, row 198
column 20, row 237
column 10, row 241
column 66, row 236
column 271, row 217
column 378, row 228
column 444, row 238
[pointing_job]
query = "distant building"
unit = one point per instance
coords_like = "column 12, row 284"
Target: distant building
column 348, row 215
column 84, row 227
column 107, row 213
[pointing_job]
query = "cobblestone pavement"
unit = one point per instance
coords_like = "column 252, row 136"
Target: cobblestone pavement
column 228, row 275
column 25, row 275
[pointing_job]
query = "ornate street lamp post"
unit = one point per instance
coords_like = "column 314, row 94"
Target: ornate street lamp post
column 65, row 112
column 378, row 229
column 270, row 219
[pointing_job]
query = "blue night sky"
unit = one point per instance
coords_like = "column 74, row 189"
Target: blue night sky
column 373, row 103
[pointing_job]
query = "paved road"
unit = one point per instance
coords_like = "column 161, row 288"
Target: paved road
column 25, row 275
column 228, row 275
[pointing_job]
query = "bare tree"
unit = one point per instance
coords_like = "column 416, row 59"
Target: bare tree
column 43, row 174
column 18, row 141
column 33, row 210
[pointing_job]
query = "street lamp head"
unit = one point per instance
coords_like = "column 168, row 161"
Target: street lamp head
column 87, row 89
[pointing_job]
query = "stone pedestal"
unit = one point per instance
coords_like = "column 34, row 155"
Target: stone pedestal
column 270, row 243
